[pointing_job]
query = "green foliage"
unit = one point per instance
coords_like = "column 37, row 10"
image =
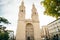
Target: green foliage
column 2, row 19
column 4, row 35
column 52, row 7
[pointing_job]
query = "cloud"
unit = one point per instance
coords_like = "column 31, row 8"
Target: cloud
column 1, row 11
column 6, row 2
column 9, row 8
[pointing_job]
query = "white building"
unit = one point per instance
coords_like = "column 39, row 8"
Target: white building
column 44, row 32
column 54, row 27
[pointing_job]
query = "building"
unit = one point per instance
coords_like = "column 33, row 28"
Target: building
column 11, row 34
column 54, row 27
column 28, row 29
column 44, row 32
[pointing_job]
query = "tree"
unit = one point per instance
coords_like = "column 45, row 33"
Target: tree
column 4, row 35
column 52, row 8
column 2, row 19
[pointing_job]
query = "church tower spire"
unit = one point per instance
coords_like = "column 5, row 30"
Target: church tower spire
column 28, row 29
column 22, row 11
column 34, row 13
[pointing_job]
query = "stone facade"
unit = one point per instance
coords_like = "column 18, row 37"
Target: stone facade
column 54, row 27
column 45, row 30
column 28, row 29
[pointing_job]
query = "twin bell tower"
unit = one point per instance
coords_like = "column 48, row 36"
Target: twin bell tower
column 28, row 29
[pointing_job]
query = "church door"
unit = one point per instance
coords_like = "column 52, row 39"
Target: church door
column 28, row 38
column 29, row 32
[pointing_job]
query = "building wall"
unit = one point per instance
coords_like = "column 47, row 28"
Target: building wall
column 21, row 34
column 45, row 31
column 22, row 24
column 53, row 27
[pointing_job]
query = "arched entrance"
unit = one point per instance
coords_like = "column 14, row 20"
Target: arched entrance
column 29, row 32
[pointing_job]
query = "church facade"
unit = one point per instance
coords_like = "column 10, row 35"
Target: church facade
column 28, row 29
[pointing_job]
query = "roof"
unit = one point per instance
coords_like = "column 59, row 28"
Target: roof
column 54, row 21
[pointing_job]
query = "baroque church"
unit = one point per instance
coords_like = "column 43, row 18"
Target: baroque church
column 28, row 29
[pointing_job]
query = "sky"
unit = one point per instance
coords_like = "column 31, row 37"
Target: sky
column 10, row 8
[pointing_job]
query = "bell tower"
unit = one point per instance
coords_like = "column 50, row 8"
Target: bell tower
column 20, row 34
column 34, row 13
column 22, row 11
column 36, row 22
column 27, row 29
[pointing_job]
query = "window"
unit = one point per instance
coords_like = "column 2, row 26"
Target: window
column 21, row 10
column 59, row 21
column 35, row 12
